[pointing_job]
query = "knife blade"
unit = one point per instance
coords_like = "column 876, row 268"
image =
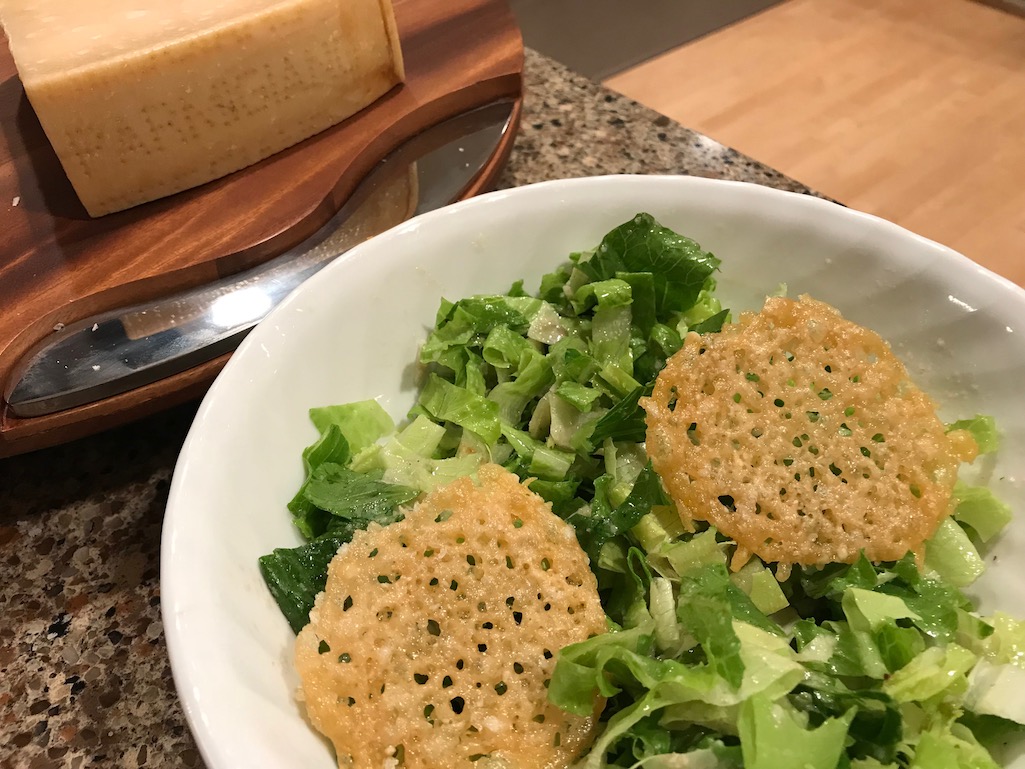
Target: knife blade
column 122, row 349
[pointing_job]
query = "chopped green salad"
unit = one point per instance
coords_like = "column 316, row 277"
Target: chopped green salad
column 863, row 665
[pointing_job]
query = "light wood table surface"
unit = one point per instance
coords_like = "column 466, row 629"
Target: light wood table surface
column 910, row 109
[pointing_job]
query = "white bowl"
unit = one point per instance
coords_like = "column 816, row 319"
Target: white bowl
column 352, row 332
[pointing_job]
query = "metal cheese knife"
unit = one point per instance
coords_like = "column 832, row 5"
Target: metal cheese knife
column 122, row 349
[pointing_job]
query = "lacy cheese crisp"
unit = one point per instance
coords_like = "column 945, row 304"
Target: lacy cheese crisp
column 799, row 435
column 435, row 638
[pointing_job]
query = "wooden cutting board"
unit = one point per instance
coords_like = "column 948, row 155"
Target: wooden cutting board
column 58, row 265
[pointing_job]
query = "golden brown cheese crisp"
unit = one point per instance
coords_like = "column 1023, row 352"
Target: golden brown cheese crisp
column 435, row 638
column 799, row 435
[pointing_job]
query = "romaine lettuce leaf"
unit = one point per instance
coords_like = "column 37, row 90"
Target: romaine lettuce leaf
column 939, row 670
column 761, row 586
column 713, row 323
column 771, row 670
column 344, row 431
column 581, row 397
column 707, row 607
column 951, row 554
column 996, row 690
column 296, row 575
column 953, row 748
column 348, row 494
column 702, row 549
column 331, row 447
column 704, row 611
column 853, row 653
column 362, row 423
column 877, row 729
column 1006, row 644
column 979, row 508
column 678, row 265
column 867, row 610
column 773, row 735
column 601, row 525
column 446, row 402
column 624, row 421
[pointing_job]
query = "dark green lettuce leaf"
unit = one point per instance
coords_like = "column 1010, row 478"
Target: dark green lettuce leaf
column 704, row 610
column 709, row 602
column 679, row 266
column 877, row 728
column 356, row 496
column 331, row 447
column 296, row 575
column 832, row 580
column 603, row 524
column 642, row 287
column 337, row 503
column 712, row 324
column 624, row 421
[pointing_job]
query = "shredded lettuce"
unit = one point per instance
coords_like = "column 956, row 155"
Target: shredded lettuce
column 952, row 555
column 980, row 510
column 954, row 747
column 773, row 735
column 447, row 402
column 362, row 423
column 604, row 523
column 761, row 586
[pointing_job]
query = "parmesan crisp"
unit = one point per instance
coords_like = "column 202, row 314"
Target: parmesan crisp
column 799, row 435
column 435, row 639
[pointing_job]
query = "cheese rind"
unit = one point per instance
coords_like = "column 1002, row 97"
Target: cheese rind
column 143, row 104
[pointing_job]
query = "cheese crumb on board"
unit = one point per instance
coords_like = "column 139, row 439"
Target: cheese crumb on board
column 437, row 636
column 141, row 99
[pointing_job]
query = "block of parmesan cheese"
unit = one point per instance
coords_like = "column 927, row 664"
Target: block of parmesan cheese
column 144, row 98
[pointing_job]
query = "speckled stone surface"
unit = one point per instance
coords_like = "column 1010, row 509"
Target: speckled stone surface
column 573, row 127
column 84, row 674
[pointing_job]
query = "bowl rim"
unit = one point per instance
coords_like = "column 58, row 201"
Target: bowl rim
column 212, row 747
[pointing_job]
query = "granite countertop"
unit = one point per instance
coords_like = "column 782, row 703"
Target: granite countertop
column 84, row 674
